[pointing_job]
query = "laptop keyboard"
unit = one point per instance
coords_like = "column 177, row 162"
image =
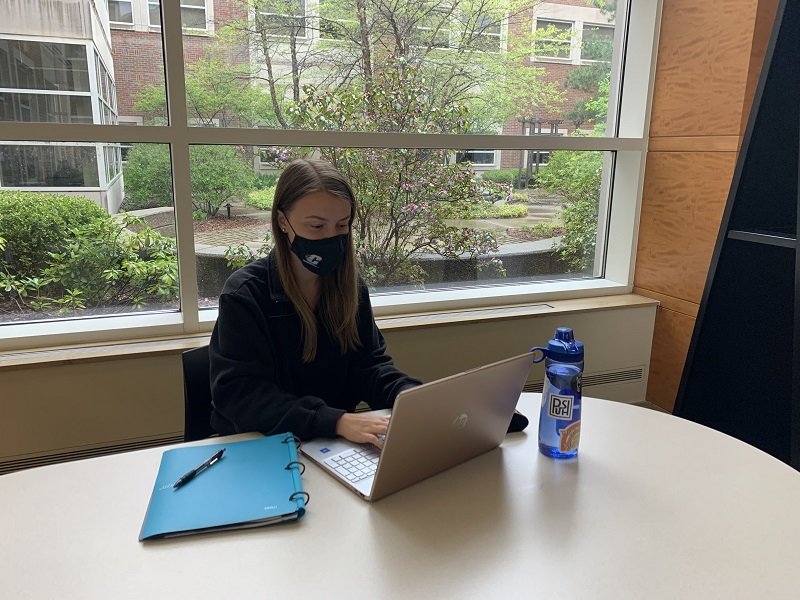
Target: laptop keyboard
column 356, row 464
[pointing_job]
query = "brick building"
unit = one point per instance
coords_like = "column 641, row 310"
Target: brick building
column 137, row 48
column 575, row 23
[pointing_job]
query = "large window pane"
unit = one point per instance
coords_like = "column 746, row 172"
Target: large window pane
column 428, row 219
column 85, row 249
column 425, row 67
column 45, row 108
column 124, row 73
column 43, row 66
column 48, row 165
column 474, row 216
column 193, row 18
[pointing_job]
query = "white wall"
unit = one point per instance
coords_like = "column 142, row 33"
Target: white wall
column 70, row 407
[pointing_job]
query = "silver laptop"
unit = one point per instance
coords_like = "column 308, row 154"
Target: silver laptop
column 433, row 427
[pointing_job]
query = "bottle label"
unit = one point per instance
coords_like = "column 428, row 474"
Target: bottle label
column 560, row 406
column 560, row 416
column 570, row 437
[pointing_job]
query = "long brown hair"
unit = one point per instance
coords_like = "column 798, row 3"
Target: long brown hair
column 338, row 301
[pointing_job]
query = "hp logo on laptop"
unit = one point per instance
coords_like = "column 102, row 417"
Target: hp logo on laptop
column 460, row 421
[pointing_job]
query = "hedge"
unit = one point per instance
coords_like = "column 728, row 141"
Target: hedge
column 35, row 224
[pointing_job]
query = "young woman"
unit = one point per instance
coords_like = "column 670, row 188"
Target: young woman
column 295, row 347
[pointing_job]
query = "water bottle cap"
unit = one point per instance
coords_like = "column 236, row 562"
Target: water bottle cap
column 564, row 347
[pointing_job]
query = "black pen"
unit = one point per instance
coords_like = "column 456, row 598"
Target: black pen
column 198, row 469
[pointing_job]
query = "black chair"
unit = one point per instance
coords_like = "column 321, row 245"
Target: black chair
column 196, row 395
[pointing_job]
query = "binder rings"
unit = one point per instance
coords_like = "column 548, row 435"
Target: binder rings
column 256, row 482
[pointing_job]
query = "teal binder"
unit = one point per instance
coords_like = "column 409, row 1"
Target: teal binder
column 256, row 482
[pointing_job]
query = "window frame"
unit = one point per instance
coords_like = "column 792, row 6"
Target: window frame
column 124, row 23
column 473, row 151
column 569, row 43
column 500, row 36
column 182, row 6
column 306, row 17
column 627, row 143
column 319, row 17
column 589, row 61
column 101, row 93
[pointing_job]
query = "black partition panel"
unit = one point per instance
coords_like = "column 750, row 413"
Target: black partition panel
column 742, row 371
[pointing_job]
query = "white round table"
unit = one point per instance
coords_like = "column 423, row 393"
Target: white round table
column 654, row 507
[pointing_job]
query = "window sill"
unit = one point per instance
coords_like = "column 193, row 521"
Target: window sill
column 175, row 344
column 134, row 328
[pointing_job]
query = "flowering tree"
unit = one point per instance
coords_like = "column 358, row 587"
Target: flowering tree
column 404, row 195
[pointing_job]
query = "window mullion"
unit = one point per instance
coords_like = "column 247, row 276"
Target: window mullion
column 179, row 148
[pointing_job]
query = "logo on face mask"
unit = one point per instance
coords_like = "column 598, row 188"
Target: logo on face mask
column 313, row 259
column 321, row 257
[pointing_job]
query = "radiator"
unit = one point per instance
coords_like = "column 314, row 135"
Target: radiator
column 10, row 464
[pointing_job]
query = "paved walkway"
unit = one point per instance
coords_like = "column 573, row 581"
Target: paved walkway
column 252, row 235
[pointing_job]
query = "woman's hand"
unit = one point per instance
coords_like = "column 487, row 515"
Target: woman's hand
column 362, row 428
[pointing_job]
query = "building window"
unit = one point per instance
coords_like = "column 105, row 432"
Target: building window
column 125, row 147
column 433, row 24
column 112, row 155
column 120, row 11
column 44, row 82
column 45, row 108
column 553, row 39
column 48, row 165
column 488, row 31
column 538, row 157
column 597, row 43
column 193, row 14
column 484, row 158
column 334, row 20
column 285, row 18
column 35, row 65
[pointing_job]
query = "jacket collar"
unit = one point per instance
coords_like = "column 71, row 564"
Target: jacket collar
column 276, row 293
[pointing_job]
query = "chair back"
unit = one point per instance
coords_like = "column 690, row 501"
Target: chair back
column 196, row 394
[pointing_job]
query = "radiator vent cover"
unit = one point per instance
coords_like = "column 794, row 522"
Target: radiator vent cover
column 632, row 375
column 17, row 464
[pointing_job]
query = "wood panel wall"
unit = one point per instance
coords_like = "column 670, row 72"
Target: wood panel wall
column 709, row 57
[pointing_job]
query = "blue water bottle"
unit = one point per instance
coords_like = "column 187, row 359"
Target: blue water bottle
column 560, row 415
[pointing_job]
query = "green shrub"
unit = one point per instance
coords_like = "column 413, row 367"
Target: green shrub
column 104, row 265
column 262, row 198
column 148, row 177
column 519, row 198
column 35, row 224
column 502, row 211
column 576, row 177
column 486, row 210
column 508, row 176
column 262, row 181
column 508, row 211
column 109, row 265
column 542, row 230
column 238, row 256
column 219, row 174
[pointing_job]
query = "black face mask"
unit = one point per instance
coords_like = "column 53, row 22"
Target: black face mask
column 321, row 257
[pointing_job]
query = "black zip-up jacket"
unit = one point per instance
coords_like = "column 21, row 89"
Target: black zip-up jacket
column 259, row 381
